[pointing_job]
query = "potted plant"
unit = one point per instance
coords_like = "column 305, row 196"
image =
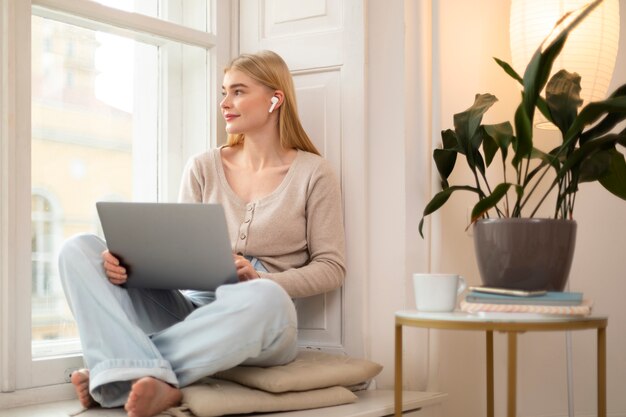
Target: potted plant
column 508, row 236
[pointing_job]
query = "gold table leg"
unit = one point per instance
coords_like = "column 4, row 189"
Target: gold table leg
column 490, row 410
column 512, row 375
column 398, row 364
column 601, row 372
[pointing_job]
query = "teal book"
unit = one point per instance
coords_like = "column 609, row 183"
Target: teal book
column 550, row 298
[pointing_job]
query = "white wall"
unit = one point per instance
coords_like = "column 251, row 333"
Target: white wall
column 465, row 37
column 398, row 108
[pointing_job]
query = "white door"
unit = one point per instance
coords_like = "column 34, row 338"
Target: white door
column 322, row 42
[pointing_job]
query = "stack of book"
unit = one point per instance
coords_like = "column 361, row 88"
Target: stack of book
column 551, row 302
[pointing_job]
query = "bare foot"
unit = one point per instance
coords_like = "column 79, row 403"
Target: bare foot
column 150, row 396
column 80, row 380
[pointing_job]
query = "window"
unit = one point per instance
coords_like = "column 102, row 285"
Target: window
column 91, row 137
column 117, row 103
column 194, row 20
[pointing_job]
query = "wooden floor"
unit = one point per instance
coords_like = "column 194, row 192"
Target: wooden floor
column 374, row 403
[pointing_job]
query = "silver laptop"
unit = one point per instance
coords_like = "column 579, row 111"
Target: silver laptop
column 169, row 245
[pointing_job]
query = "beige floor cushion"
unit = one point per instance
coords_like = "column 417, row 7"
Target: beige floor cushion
column 310, row 370
column 218, row 397
column 313, row 380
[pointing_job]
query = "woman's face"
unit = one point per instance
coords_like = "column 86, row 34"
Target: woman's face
column 245, row 104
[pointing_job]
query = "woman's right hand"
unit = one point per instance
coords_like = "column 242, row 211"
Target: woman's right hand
column 113, row 270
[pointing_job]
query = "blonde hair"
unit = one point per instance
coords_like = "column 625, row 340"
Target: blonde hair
column 269, row 69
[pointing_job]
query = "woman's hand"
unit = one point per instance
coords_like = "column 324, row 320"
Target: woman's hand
column 113, row 270
column 245, row 270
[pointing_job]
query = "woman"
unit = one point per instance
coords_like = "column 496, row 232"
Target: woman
column 283, row 209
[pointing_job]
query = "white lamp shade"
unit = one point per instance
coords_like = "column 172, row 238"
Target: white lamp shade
column 590, row 49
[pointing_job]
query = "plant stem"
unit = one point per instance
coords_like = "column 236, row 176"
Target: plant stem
column 518, row 199
column 532, row 190
column 506, row 197
column 571, row 212
column 500, row 214
column 543, row 198
column 571, row 197
column 559, row 200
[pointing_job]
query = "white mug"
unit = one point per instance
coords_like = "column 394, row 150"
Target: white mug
column 437, row 292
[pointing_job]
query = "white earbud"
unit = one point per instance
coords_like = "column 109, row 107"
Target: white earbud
column 274, row 101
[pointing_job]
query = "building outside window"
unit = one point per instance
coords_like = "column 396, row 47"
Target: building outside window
column 82, row 149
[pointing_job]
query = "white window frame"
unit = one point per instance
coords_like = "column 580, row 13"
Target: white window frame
column 23, row 380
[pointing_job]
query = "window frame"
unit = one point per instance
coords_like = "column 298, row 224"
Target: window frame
column 20, row 375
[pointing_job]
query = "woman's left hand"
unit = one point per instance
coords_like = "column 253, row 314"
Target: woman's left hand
column 245, row 270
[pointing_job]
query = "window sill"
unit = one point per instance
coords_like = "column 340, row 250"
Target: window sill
column 40, row 395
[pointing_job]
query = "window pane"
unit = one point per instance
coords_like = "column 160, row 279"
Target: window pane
column 190, row 13
column 94, row 118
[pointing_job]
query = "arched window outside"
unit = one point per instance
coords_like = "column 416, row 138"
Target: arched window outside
column 42, row 239
column 48, row 303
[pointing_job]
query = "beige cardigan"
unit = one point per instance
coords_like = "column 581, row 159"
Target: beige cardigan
column 296, row 231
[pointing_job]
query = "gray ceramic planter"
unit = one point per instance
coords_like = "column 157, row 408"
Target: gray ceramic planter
column 528, row 254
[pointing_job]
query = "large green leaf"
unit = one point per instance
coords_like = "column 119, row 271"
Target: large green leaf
column 466, row 123
column 609, row 121
column 535, row 78
column 440, row 199
column 541, row 103
column 450, row 141
column 482, row 103
column 585, row 151
column 523, row 143
column 490, row 147
column 615, row 180
column 622, row 137
column 546, row 158
column 591, row 113
column 474, row 157
column 489, row 202
column 536, row 74
column 502, row 135
column 509, row 70
column 595, row 166
column 445, row 160
column 563, row 98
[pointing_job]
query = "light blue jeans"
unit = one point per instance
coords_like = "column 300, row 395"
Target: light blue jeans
column 130, row 333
